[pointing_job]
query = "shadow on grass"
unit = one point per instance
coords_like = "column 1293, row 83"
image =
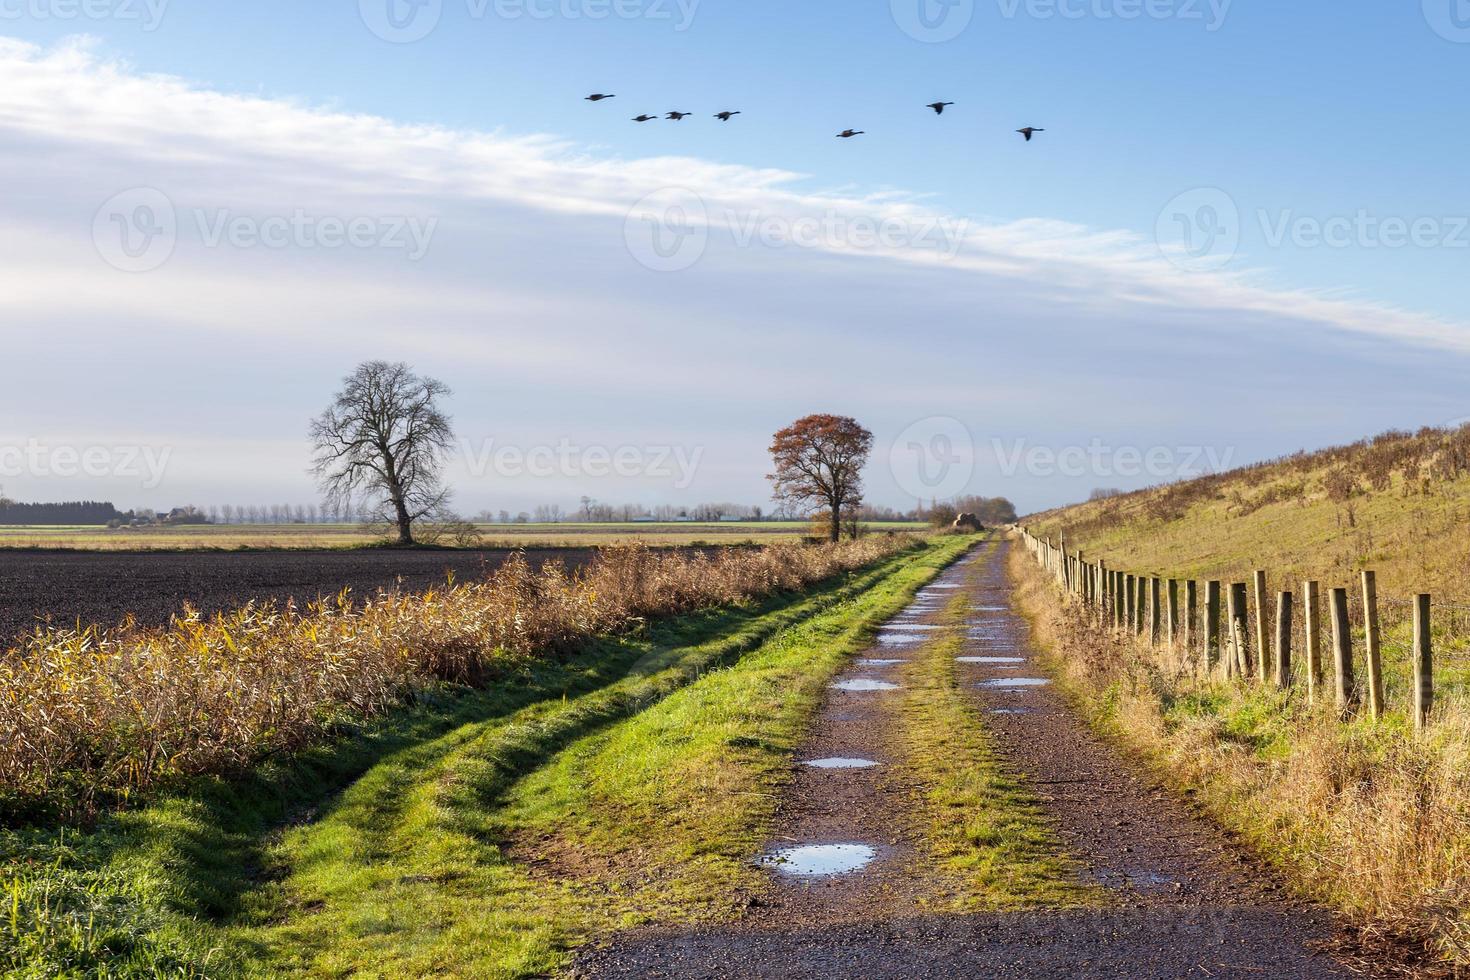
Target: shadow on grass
column 144, row 886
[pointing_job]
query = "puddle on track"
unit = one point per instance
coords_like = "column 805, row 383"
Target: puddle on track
column 1140, row 881
column 1015, row 683
column 864, row 684
column 991, row 660
column 870, row 662
column 911, row 627
column 841, row 763
column 900, row 641
column 819, row 860
column 1011, row 711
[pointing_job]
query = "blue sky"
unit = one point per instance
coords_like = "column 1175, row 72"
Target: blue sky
column 1266, row 123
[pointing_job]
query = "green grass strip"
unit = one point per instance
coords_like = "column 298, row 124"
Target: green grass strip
column 985, row 826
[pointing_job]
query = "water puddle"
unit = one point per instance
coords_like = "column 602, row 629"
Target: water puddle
column 1015, row 683
column 820, row 859
column 941, row 586
column 1139, row 881
column 871, row 662
column 864, row 684
column 991, row 660
column 905, row 627
column 1010, row 711
column 839, row 762
column 900, row 640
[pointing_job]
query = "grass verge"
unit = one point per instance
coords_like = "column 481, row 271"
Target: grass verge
column 986, row 828
column 1362, row 816
column 442, row 861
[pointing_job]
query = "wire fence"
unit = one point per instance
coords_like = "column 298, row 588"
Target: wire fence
column 1346, row 643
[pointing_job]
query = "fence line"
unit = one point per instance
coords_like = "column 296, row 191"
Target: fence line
column 1148, row 607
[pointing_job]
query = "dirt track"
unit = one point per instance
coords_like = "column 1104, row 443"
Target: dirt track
column 101, row 587
column 1182, row 900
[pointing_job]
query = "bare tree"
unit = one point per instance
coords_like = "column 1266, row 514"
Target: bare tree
column 385, row 440
column 819, row 460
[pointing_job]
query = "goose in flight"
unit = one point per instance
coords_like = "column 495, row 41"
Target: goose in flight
column 1029, row 131
column 598, row 97
column 938, row 107
column 676, row 116
column 644, row 118
column 726, row 116
column 848, row 134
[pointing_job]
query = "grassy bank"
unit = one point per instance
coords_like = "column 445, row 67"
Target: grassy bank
column 1362, row 816
column 986, row 828
column 396, row 834
column 1398, row 503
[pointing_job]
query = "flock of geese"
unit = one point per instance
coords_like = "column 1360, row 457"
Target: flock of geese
column 846, row 134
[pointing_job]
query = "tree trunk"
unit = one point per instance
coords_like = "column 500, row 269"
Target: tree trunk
column 405, row 523
column 835, row 532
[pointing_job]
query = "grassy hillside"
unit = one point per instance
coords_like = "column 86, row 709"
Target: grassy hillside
column 1398, row 503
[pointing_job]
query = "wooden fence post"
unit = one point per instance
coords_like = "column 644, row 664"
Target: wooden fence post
column 1374, row 643
column 1312, row 616
column 1240, row 629
column 1132, row 586
column 1263, row 628
column 1191, row 599
column 1155, row 617
column 1283, row 640
column 1120, row 588
column 1140, row 620
column 1423, row 665
column 1173, row 610
column 1342, row 653
column 1212, row 624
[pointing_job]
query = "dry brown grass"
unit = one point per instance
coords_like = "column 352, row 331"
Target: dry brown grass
column 98, row 715
column 1365, row 817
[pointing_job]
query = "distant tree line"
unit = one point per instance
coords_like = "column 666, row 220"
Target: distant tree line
column 69, row 512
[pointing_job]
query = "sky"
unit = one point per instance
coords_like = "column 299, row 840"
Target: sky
column 1240, row 234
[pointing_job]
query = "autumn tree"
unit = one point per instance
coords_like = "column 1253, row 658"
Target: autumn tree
column 819, row 461
column 385, row 440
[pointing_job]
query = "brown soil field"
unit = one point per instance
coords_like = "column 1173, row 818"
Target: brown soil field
column 102, row 587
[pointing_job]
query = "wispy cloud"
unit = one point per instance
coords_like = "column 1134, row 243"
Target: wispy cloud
column 248, row 151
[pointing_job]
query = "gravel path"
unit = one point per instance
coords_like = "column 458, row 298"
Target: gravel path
column 1185, row 901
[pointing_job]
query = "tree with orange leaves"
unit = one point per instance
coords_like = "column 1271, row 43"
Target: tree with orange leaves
column 819, row 460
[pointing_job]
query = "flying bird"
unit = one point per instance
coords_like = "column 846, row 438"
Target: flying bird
column 938, row 107
column 1029, row 131
column 599, row 97
column 676, row 116
column 725, row 116
column 848, row 134
column 644, row 118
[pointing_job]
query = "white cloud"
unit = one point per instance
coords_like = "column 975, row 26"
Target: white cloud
column 221, row 149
